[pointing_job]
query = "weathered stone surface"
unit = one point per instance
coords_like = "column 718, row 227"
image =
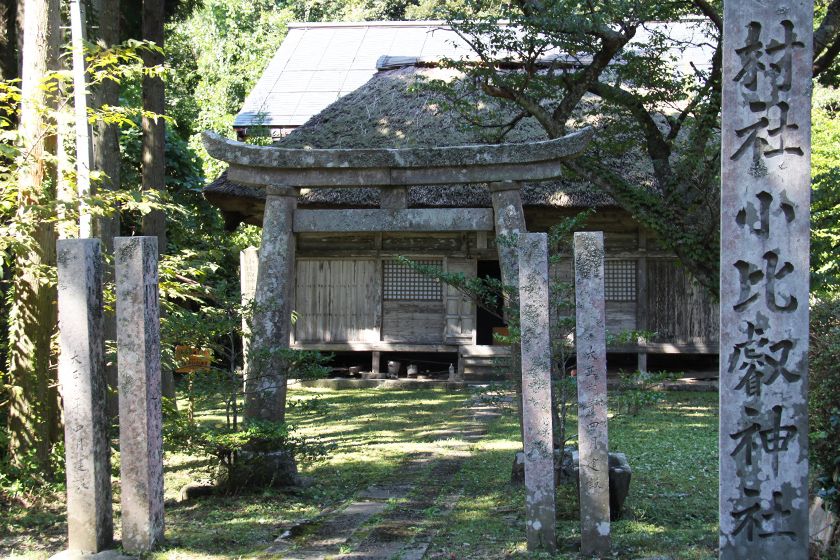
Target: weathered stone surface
column 439, row 158
column 266, row 377
column 248, row 268
column 264, row 165
column 590, row 340
column 193, row 490
column 138, row 363
column 620, row 474
column 83, row 386
column 393, row 198
column 263, row 469
column 510, row 223
column 536, row 392
column 823, row 524
column 765, row 172
column 566, row 471
column 414, row 219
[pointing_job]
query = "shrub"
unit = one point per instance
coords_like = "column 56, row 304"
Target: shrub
column 824, row 399
column 638, row 391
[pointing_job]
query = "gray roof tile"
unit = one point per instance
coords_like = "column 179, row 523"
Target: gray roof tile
column 327, row 61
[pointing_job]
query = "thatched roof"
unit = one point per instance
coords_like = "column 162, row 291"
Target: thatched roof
column 390, row 111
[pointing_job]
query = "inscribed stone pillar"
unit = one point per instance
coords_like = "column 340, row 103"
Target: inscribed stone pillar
column 765, row 199
column 590, row 342
column 138, row 365
column 248, row 267
column 81, row 375
column 536, row 391
column 266, row 377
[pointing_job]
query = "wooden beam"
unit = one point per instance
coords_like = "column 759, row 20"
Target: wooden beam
column 381, row 220
column 374, row 347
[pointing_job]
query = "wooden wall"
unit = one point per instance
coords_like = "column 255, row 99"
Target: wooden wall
column 338, row 285
column 337, row 300
column 678, row 310
column 419, row 322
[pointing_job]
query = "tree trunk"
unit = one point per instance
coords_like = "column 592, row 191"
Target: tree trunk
column 154, row 130
column 8, row 40
column 154, row 141
column 106, row 159
column 78, row 31
column 33, row 399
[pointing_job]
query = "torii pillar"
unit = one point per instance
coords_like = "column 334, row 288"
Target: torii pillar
column 266, row 376
column 510, row 222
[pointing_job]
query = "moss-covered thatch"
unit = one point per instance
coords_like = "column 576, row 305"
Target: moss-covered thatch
column 392, row 111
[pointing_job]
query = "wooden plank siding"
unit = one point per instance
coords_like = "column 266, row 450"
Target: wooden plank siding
column 339, row 286
column 336, row 300
column 419, row 322
column 460, row 311
column 678, row 309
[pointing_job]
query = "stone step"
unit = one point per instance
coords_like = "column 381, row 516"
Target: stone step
column 483, row 351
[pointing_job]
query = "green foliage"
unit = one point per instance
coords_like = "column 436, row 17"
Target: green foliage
column 638, row 391
column 219, row 52
column 650, row 117
column 825, row 203
column 31, row 212
column 502, row 301
column 206, row 313
column 824, row 397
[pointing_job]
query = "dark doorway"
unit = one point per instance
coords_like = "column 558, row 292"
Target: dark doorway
column 486, row 321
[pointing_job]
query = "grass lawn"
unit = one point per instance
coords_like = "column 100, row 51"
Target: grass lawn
column 672, row 507
column 671, row 510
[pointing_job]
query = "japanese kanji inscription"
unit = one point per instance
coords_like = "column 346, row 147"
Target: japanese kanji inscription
column 765, row 199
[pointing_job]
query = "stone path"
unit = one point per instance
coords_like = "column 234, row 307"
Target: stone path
column 397, row 519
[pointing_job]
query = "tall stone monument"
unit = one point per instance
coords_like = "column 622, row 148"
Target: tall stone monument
column 81, row 375
column 765, row 198
column 138, row 364
column 536, row 392
column 590, row 343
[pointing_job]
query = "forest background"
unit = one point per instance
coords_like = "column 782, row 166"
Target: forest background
column 213, row 53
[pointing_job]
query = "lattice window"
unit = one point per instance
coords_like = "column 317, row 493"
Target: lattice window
column 620, row 280
column 404, row 283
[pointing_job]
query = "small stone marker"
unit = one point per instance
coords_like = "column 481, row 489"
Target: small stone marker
column 138, row 363
column 81, row 375
column 591, row 348
column 536, row 392
column 764, row 275
column 248, row 268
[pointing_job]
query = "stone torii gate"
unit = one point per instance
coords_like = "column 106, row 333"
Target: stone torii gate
column 283, row 171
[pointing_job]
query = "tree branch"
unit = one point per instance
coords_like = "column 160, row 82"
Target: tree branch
column 658, row 148
column 827, row 33
column 530, row 105
column 712, row 85
column 710, row 12
column 578, row 85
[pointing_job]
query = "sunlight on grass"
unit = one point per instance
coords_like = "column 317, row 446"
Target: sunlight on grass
column 671, row 510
